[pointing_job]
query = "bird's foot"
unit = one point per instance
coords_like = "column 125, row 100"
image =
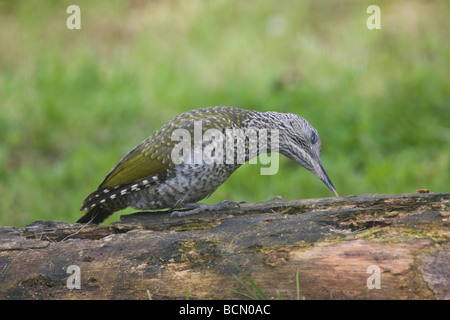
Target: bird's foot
column 202, row 207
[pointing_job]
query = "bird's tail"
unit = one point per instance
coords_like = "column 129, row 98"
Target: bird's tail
column 105, row 201
column 96, row 215
column 100, row 206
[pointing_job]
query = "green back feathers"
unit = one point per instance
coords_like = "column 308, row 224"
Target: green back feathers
column 153, row 155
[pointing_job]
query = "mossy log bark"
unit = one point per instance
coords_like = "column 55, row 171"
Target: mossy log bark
column 330, row 242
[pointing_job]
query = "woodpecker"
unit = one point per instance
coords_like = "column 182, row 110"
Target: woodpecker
column 166, row 171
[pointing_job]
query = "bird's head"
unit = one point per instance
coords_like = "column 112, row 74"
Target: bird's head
column 299, row 141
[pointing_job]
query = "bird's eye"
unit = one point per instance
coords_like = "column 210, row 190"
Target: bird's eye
column 313, row 138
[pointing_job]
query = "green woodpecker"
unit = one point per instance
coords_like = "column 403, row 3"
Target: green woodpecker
column 194, row 153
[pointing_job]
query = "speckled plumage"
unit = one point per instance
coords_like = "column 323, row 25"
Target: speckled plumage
column 148, row 179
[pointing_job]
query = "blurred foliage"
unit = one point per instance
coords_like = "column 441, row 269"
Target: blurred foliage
column 73, row 102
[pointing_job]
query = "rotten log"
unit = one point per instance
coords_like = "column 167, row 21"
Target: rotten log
column 354, row 247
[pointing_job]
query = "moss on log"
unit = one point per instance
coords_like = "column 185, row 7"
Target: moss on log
column 342, row 248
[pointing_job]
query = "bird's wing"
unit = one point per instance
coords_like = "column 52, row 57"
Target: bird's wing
column 140, row 163
column 153, row 155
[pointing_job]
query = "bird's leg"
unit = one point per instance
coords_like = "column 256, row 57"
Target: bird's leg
column 201, row 207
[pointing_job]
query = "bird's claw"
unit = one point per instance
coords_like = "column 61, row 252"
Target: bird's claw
column 201, row 207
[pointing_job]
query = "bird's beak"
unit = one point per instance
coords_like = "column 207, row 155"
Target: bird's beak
column 324, row 177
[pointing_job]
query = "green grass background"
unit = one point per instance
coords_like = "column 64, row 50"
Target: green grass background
column 73, row 102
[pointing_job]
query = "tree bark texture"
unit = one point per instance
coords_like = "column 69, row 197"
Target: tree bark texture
column 355, row 247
